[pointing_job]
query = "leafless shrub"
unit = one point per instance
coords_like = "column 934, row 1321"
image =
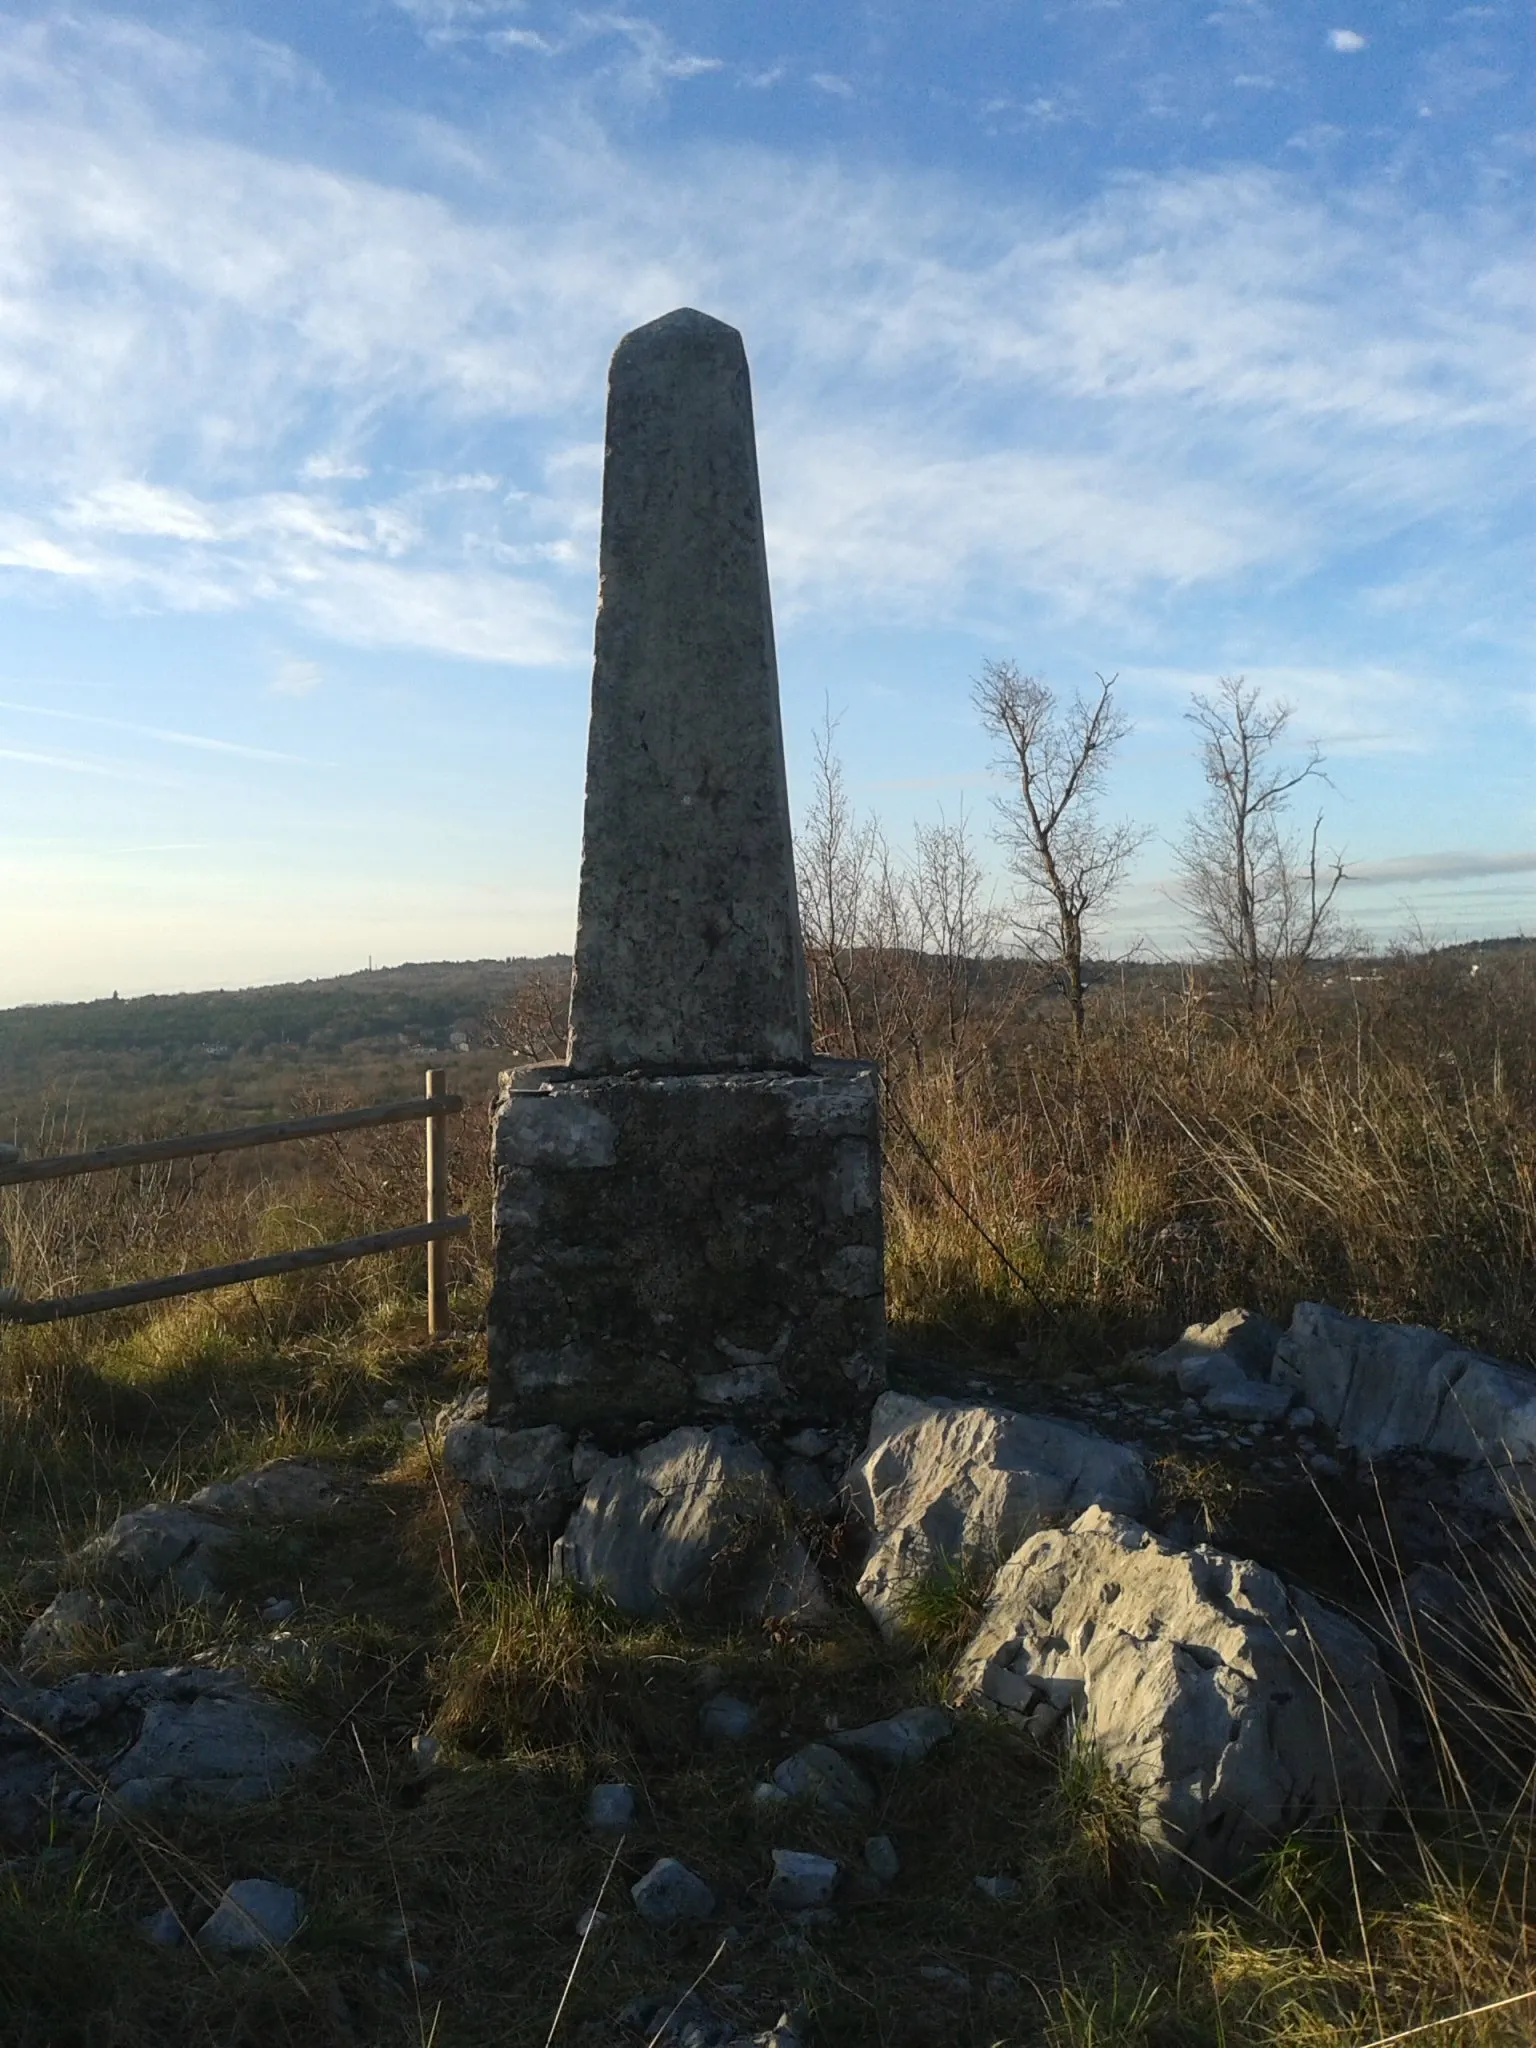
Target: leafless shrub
column 535, row 1025
column 896, row 946
column 1069, row 862
column 1260, row 898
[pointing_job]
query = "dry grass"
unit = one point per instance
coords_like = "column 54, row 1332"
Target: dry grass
column 1378, row 1157
column 1170, row 1169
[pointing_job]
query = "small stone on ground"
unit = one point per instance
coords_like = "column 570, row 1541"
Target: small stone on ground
column 801, row 1879
column 726, row 1719
column 253, row 1914
column 829, row 1781
column 611, row 1808
column 906, row 1738
column 669, row 1892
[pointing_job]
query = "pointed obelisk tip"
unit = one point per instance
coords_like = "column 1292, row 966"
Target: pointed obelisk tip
column 683, row 331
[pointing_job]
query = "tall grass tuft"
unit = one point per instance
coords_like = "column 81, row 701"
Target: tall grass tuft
column 1376, row 1156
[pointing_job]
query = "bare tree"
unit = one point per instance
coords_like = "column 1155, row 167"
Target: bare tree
column 1069, row 861
column 894, row 945
column 840, row 862
column 1261, row 901
column 956, row 925
column 535, row 1023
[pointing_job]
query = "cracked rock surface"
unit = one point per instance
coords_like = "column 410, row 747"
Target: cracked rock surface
column 526, row 1472
column 161, row 1544
column 1383, row 1387
column 182, row 1545
column 694, row 1521
column 1233, row 1709
column 158, row 1740
column 286, row 1490
column 941, row 1484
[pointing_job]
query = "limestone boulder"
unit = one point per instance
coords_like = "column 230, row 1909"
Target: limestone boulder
column 611, row 1808
column 203, row 1744
column 696, row 1522
column 1226, row 1365
column 471, row 1405
column 670, row 1892
column 286, row 1490
column 161, row 1545
column 802, row 1879
column 941, row 1485
column 1233, row 1396
column 73, row 1626
column 182, row 1547
column 157, row 1741
column 1233, row 1709
column 1239, row 1338
column 524, row 1474
column 726, row 1721
column 1385, row 1387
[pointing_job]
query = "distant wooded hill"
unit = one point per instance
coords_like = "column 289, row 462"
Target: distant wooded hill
column 225, row 1055
column 190, row 1059
column 425, row 1001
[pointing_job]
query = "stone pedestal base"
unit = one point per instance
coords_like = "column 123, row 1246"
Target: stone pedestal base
column 683, row 1247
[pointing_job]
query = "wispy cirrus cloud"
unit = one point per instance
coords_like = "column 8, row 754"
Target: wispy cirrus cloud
column 72, row 764
column 1148, row 393
column 632, row 53
column 1367, row 709
column 203, row 742
column 294, row 677
column 1467, row 865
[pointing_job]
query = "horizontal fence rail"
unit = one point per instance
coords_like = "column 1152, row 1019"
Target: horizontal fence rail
column 206, row 1278
column 434, row 1107
column 64, row 1165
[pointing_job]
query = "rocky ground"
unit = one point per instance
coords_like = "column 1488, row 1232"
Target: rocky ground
column 425, row 1728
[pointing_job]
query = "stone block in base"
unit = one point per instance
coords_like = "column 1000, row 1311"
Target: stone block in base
column 680, row 1247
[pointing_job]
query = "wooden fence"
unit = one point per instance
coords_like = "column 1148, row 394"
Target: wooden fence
column 434, row 1107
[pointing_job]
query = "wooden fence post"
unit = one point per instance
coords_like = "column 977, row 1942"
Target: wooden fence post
column 437, row 1196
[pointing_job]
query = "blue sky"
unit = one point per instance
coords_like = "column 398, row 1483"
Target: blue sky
column 1131, row 336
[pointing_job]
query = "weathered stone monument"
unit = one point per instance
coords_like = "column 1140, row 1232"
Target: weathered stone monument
column 688, row 1211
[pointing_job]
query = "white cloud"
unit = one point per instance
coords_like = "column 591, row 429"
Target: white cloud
column 129, row 508
column 203, row 742
column 1140, row 394
column 830, row 82
column 916, row 529
column 68, row 764
column 448, row 21
column 296, row 678
column 36, row 555
column 1466, row 865
column 655, row 59
column 1346, row 41
column 1366, row 710
column 647, row 63
column 475, row 614
column 322, row 469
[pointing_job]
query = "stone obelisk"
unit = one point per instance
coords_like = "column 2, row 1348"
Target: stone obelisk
column 688, row 1211
column 688, row 949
